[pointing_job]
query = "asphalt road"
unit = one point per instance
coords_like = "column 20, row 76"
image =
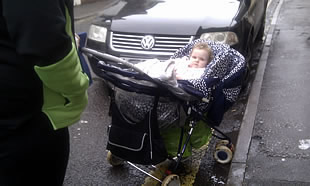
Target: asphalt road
column 88, row 165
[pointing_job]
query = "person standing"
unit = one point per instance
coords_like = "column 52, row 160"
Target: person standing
column 43, row 90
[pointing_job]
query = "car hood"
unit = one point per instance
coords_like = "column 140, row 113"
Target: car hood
column 169, row 16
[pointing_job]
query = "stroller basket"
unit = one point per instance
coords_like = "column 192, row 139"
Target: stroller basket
column 139, row 142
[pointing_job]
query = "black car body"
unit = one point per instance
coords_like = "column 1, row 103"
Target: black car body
column 136, row 30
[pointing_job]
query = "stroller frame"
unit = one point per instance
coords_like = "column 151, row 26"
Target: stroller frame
column 190, row 112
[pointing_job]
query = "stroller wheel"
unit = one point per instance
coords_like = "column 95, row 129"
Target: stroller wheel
column 113, row 160
column 171, row 180
column 223, row 154
column 221, row 143
column 225, row 143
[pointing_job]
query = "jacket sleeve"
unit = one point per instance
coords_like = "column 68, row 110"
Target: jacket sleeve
column 38, row 29
column 41, row 30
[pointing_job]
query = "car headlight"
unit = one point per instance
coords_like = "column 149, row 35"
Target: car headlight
column 229, row 38
column 97, row 33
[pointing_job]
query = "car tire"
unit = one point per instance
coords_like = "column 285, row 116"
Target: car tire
column 261, row 32
column 249, row 47
column 246, row 78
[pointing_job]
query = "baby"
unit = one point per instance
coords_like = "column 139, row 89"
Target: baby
column 169, row 71
column 194, row 67
column 181, row 68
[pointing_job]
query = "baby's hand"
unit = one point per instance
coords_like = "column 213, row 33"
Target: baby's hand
column 176, row 74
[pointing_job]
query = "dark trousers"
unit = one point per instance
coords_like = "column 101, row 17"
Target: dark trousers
column 34, row 154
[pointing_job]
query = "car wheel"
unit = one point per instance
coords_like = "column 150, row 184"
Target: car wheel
column 261, row 32
column 246, row 78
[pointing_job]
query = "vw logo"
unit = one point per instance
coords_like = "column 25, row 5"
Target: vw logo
column 147, row 42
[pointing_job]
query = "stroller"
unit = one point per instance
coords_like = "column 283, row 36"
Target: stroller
column 143, row 109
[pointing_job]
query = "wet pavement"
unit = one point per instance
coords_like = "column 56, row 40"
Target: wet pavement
column 275, row 146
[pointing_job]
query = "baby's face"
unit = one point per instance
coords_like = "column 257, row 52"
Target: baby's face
column 199, row 58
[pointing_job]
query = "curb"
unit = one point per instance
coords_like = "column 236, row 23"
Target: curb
column 238, row 165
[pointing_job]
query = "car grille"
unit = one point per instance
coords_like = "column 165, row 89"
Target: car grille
column 165, row 45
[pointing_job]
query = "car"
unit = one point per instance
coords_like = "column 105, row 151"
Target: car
column 136, row 30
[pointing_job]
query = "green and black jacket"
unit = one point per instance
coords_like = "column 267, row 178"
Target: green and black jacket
column 39, row 65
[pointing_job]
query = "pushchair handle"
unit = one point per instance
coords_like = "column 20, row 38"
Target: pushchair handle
column 109, row 71
column 180, row 93
column 111, row 58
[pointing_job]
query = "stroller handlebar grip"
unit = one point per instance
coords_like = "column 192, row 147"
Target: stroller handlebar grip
column 111, row 58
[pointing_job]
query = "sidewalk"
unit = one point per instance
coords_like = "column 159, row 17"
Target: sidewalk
column 273, row 146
